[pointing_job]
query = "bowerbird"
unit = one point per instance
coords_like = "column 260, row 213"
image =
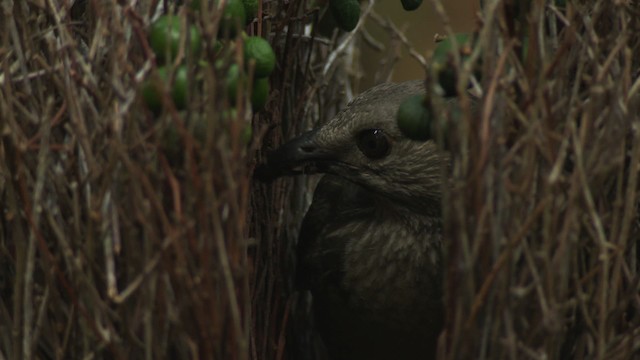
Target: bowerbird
column 369, row 248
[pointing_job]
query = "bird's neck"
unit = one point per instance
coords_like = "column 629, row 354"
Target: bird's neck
column 418, row 208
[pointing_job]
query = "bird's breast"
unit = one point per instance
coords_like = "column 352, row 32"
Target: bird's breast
column 393, row 271
column 389, row 302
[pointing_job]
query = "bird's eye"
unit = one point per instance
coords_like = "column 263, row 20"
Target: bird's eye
column 374, row 143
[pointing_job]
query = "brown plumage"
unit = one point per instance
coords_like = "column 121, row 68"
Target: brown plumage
column 370, row 245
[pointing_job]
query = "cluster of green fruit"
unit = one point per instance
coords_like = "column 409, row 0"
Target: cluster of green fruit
column 164, row 38
column 258, row 53
column 346, row 13
column 166, row 35
column 259, row 56
column 415, row 115
column 237, row 13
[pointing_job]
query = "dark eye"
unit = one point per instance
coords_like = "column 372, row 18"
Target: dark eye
column 373, row 143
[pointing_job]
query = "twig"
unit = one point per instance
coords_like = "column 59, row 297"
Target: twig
column 389, row 25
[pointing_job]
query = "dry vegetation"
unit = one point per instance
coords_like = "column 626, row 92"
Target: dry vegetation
column 113, row 244
column 117, row 241
column 542, row 218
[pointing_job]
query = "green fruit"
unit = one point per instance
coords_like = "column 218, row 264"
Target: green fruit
column 411, row 5
column 414, row 118
column 346, row 13
column 233, row 18
column 152, row 91
column 444, row 49
column 164, row 38
column 179, row 89
column 260, row 51
column 233, row 76
column 443, row 64
column 260, row 88
column 251, row 9
column 260, row 93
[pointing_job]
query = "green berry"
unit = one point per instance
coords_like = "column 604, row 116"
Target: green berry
column 260, row 51
column 411, row 5
column 346, row 13
column 444, row 49
column 233, row 77
column 251, row 9
column 414, row 118
column 152, row 91
column 233, row 18
column 164, row 38
column 443, row 64
column 179, row 89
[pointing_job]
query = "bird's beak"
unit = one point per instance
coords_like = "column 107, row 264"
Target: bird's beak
column 300, row 155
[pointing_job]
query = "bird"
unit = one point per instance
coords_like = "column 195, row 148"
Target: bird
column 370, row 245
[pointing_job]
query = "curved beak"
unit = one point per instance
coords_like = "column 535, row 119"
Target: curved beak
column 300, row 155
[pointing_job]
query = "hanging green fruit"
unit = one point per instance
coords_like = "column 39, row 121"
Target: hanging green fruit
column 165, row 36
column 443, row 63
column 234, row 18
column 411, row 5
column 414, row 118
column 346, row 13
column 259, row 50
column 152, row 91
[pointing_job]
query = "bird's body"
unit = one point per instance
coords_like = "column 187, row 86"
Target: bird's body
column 376, row 290
column 370, row 245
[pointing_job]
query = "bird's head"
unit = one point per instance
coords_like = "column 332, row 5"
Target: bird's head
column 364, row 145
